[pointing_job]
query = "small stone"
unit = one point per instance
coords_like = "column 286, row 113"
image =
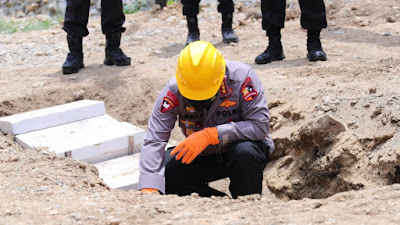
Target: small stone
column 195, row 195
column 372, row 90
column 376, row 112
column 20, row 14
column 79, row 95
column 53, row 212
column 387, row 34
column 390, row 19
column 33, row 7
column 187, row 215
column 39, row 84
column 176, row 217
column 74, row 216
column 42, row 17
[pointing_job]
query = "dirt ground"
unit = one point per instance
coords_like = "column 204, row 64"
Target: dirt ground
column 335, row 123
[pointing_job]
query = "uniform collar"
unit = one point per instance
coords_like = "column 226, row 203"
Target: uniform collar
column 225, row 91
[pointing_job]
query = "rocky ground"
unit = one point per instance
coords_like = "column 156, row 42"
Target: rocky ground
column 335, row 123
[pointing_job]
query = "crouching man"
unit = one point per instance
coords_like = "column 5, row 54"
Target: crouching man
column 223, row 112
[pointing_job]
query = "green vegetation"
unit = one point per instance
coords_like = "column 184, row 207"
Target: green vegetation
column 169, row 2
column 8, row 26
column 135, row 7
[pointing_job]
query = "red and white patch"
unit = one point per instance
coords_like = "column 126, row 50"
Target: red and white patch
column 169, row 102
column 248, row 91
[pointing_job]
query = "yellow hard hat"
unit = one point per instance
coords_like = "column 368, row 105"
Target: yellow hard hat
column 200, row 71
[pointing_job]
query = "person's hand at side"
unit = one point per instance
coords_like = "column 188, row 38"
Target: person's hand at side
column 195, row 143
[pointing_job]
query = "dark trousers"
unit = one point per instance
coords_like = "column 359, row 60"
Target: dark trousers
column 313, row 14
column 191, row 7
column 77, row 15
column 243, row 164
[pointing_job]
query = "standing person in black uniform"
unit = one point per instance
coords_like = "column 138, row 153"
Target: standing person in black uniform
column 76, row 19
column 225, row 7
column 313, row 18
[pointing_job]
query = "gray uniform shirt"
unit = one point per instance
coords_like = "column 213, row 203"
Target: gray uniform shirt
column 240, row 112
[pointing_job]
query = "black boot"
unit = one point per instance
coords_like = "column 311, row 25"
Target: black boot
column 114, row 55
column 274, row 50
column 194, row 33
column 74, row 60
column 228, row 35
column 314, row 47
column 162, row 3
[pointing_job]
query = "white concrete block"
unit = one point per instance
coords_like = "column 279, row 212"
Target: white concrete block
column 92, row 140
column 121, row 173
column 51, row 117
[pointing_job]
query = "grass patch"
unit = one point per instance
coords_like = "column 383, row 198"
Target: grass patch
column 169, row 2
column 8, row 26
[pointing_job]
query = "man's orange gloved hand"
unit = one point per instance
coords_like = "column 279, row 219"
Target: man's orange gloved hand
column 148, row 190
column 195, row 144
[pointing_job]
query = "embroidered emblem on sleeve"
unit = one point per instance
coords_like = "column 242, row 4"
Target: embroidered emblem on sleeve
column 248, row 91
column 169, row 102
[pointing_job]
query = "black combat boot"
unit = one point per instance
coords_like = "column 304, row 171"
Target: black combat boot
column 274, row 50
column 228, row 35
column 194, row 33
column 314, row 47
column 114, row 55
column 162, row 3
column 74, row 60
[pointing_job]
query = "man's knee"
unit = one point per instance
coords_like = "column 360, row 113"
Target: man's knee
column 250, row 150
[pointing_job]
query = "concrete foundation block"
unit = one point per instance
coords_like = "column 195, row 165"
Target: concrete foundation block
column 121, row 173
column 51, row 117
column 92, row 140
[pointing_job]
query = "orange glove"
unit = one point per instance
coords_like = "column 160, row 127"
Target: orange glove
column 195, row 144
column 148, row 190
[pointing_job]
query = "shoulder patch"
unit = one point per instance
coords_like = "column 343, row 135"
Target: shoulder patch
column 169, row 102
column 248, row 91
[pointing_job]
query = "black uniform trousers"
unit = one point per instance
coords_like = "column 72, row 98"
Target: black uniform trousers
column 191, row 7
column 313, row 14
column 77, row 16
column 244, row 164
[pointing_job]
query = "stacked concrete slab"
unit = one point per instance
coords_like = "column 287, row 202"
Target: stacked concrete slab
column 82, row 130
